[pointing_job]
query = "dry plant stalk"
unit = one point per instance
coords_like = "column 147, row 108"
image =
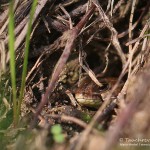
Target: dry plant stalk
column 137, row 96
column 114, row 35
column 72, row 35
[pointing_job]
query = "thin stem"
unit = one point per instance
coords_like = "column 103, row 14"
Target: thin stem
column 25, row 63
column 12, row 60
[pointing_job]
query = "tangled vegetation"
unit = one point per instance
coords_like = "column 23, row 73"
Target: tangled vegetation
column 74, row 74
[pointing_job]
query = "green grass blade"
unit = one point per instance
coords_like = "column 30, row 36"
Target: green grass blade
column 12, row 59
column 27, row 43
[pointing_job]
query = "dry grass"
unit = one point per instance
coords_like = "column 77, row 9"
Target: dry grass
column 111, row 37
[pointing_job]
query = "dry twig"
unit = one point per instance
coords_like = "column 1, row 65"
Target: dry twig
column 72, row 35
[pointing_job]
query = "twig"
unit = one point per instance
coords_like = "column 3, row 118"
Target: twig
column 124, row 89
column 55, row 24
column 7, row 19
column 110, row 5
column 137, row 43
column 130, row 33
column 109, row 25
column 72, row 35
column 71, row 97
column 137, row 22
column 22, row 35
column 88, row 70
column 67, row 14
column 118, row 5
column 138, row 90
column 136, row 39
column 65, row 118
column 38, row 63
